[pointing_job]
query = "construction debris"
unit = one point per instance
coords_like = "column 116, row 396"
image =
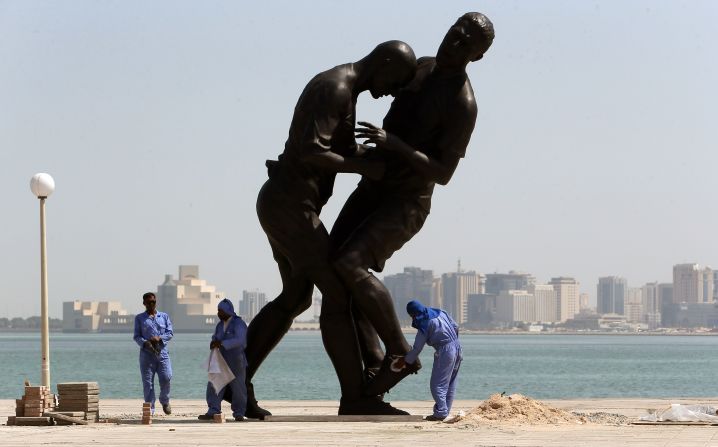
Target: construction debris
column 29, row 409
column 515, row 409
column 80, row 397
column 67, row 417
column 147, row 413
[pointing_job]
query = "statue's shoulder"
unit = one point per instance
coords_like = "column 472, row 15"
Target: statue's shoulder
column 332, row 85
column 424, row 67
column 467, row 97
column 463, row 97
column 426, row 61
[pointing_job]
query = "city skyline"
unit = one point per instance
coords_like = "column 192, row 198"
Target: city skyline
column 260, row 297
column 593, row 153
column 491, row 301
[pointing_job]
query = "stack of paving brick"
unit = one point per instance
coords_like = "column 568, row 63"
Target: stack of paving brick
column 80, row 397
column 147, row 413
column 30, row 409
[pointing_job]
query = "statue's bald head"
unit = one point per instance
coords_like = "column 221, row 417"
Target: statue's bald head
column 394, row 54
column 392, row 65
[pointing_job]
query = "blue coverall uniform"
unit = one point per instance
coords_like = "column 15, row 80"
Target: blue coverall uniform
column 146, row 327
column 234, row 342
column 442, row 333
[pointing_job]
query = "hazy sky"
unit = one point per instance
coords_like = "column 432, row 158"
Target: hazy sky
column 594, row 153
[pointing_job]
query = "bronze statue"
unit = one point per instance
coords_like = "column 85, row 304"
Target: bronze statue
column 321, row 143
column 425, row 135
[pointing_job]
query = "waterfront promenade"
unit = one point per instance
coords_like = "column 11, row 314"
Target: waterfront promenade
column 183, row 429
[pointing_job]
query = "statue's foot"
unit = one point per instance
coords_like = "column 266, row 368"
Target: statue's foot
column 387, row 377
column 254, row 411
column 368, row 406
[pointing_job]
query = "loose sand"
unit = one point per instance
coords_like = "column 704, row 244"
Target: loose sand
column 517, row 409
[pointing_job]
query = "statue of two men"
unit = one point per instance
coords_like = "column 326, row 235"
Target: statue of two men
column 423, row 138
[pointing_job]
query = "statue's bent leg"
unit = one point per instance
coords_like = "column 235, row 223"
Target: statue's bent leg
column 274, row 320
column 373, row 242
column 341, row 343
column 338, row 332
column 371, row 348
column 360, row 204
column 271, row 324
column 372, row 298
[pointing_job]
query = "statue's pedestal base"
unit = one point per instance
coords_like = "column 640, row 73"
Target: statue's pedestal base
column 347, row 418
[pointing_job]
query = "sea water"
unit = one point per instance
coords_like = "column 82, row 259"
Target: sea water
column 540, row 366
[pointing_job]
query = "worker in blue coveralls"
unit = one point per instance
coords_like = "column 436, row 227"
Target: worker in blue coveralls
column 153, row 330
column 230, row 336
column 437, row 329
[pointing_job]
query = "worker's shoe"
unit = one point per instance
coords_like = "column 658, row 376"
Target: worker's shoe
column 205, row 417
column 167, row 408
column 431, row 417
column 254, row 411
column 368, row 406
column 239, row 418
column 386, row 378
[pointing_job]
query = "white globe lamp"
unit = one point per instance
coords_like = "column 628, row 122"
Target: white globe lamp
column 42, row 185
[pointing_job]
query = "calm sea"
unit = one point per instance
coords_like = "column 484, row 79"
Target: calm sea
column 541, row 366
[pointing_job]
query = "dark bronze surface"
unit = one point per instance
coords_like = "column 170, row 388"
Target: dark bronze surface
column 424, row 135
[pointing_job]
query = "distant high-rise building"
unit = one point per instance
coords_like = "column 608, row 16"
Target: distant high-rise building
column 437, row 294
column 546, row 302
column 651, row 304
column 412, row 284
column 501, row 282
column 583, row 302
column 665, row 293
column 190, row 302
column 252, row 302
column 634, row 305
column 612, row 294
column 567, row 296
column 481, row 310
column 665, row 299
column 516, row 306
column 456, row 288
column 692, row 284
column 689, row 315
column 709, row 285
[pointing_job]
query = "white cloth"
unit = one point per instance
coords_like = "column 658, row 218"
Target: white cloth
column 218, row 372
column 684, row 413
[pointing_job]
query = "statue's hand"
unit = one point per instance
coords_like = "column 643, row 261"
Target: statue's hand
column 399, row 363
column 371, row 134
column 378, row 136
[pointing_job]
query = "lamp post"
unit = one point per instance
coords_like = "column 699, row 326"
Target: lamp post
column 42, row 185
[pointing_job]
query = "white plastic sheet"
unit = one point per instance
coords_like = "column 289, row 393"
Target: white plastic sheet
column 218, row 372
column 684, row 413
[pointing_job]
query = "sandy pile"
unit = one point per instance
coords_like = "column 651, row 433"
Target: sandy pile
column 515, row 409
